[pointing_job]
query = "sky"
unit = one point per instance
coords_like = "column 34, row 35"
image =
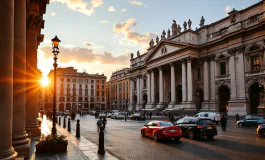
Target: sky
column 98, row 36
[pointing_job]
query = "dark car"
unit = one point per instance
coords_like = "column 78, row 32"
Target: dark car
column 193, row 127
column 261, row 130
column 251, row 121
column 137, row 116
column 161, row 130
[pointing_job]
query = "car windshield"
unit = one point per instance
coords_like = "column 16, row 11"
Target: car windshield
column 205, row 122
column 166, row 124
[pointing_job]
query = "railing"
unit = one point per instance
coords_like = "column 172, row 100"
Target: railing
column 222, row 31
column 252, row 19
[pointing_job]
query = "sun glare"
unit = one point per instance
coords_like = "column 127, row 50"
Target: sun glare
column 44, row 81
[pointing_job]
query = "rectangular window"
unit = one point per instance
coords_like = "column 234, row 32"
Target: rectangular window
column 255, row 63
column 103, row 99
column 145, row 83
column 97, row 81
column 73, row 85
column 92, row 81
column 86, row 86
column 92, row 86
column 80, row 85
column 80, row 99
column 102, row 86
column 80, row 81
column 61, row 85
column 198, row 73
column 62, row 80
column 92, row 92
column 68, row 80
column 68, row 99
column 103, row 93
column 80, row 92
column 91, row 99
column 68, row 85
column 97, row 93
column 223, row 68
column 97, row 86
column 86, row 99
column 103, row 81
column 86, row 92
column 74, row 80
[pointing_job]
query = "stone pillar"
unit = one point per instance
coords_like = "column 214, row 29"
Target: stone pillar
column 241, row 70
column 141, row 88
column 152, row 87
column 184, row 83
column 19, row 138
column 161, row 86
column 138, row 89
column 173, row 84
column 131, row 89
column 189, row 81
column 6, row 76
column 232, row 76
column 206, row 80
column 33, row 22
column 148, row 87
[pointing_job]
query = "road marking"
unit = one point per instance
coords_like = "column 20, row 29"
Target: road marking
column 240, row 137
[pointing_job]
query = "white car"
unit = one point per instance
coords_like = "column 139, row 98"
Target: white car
column 119, row 115
column 211, row 115
column 102, row 115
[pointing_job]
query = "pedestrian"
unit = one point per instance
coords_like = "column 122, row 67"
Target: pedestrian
column 237, row 117
column 150, row 114
column 223, row 122
column 99, row 123
column 104, row 122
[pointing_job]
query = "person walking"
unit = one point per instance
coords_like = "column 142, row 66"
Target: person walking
column 99, row 123
column 104, row 122
column 150, row 114
column 223, row 122
column 237, row 117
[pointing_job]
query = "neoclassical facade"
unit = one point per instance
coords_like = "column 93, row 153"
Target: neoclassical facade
column 20, row 30
column 215, row 67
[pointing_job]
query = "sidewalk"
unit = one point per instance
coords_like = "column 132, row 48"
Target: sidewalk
column 77, row 149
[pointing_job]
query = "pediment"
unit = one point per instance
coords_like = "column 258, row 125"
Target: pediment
column 164, row 48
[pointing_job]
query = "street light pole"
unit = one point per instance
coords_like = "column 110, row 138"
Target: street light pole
column 55, row 51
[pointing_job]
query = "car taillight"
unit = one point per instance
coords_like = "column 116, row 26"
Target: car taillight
column 264, row 120
column 199, row 126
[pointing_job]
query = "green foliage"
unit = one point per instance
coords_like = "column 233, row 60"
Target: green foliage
column 53, row 140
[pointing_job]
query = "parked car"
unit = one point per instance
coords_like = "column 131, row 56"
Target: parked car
column 119, row 115
column 102, row 115
column 137, row 116
column 215, row 117
column 261, row 130
column 194, row 127
column 160, row 130
column 67, row 112
column 251, row 121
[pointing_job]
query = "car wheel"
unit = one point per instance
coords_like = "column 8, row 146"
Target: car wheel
column 155, row 137
column 240, row 125
column 210, row 137
column 177, row 138
column 191, row 135
column 262, row 132
column 142, row 133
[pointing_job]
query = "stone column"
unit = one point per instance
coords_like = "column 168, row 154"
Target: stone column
column 232, row 76
column 131, row 89
column 148, row 87
column 152, row 87
column 6, row 76
column 173, row 84
column 241, row 77
column 212, row 79
column 161, row 86
column 141, row 88
column 19, row 138
column 189, row 82
column 138, row 89
column 206, row 80
column 33, row 22
column 184, row 86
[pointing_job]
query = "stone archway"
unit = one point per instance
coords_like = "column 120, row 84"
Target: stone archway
column 224, row 97
column 254, row 97
column 145, row 99
column 199, row 98
column 134, row 99
column 61, row 107
column 92, row 106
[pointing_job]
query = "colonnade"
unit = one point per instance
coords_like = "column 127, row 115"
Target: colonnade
column 20, row 36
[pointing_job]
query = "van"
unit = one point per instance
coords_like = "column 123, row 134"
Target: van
column 210, row 115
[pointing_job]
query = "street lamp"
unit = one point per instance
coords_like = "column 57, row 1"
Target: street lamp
column 144, row 101
column 55, row 51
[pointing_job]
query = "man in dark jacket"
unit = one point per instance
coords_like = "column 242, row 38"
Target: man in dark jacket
column 223, row 122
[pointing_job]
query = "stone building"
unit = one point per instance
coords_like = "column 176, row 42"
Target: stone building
column 78, row 90
column 20, row 30
column 215, row 67
column 118, row 91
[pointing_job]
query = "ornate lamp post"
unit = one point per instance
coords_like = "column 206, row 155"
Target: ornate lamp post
column 55, row 51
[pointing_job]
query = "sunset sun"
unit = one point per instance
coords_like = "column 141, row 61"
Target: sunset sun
column 44, row 81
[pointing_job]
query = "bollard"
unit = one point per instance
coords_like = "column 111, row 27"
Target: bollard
column 125, row 117
column 59, row 120
column 64, row 122
column 56, row 119
column 101, row 149
column 69, row 124
column 77, row 128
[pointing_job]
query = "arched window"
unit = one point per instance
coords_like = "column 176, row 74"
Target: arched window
column 222, row 65
column 254, row 59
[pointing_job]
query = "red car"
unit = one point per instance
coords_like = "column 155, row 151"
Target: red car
column 160, row 130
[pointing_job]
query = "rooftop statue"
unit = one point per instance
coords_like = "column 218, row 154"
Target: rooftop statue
column 151, row 43
column 168, row 33
column 157, row 39
column 174, row 28
column 163, row 36
column 131, row 55
column 202, row 22
column 189, row 23
column 138, row 53
column 185, row 25
column 179, row 28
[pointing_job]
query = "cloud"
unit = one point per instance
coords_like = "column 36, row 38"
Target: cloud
column 92, row 45
column 111, row 9
column 130, row 35
column 134, row 2
column 86, row 55
column 124, row 10
column 81, row 6
column 53, row 14
column 227, row 9
column 104, row 22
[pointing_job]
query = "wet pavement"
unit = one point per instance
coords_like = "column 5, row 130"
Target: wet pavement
column 123, row 140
